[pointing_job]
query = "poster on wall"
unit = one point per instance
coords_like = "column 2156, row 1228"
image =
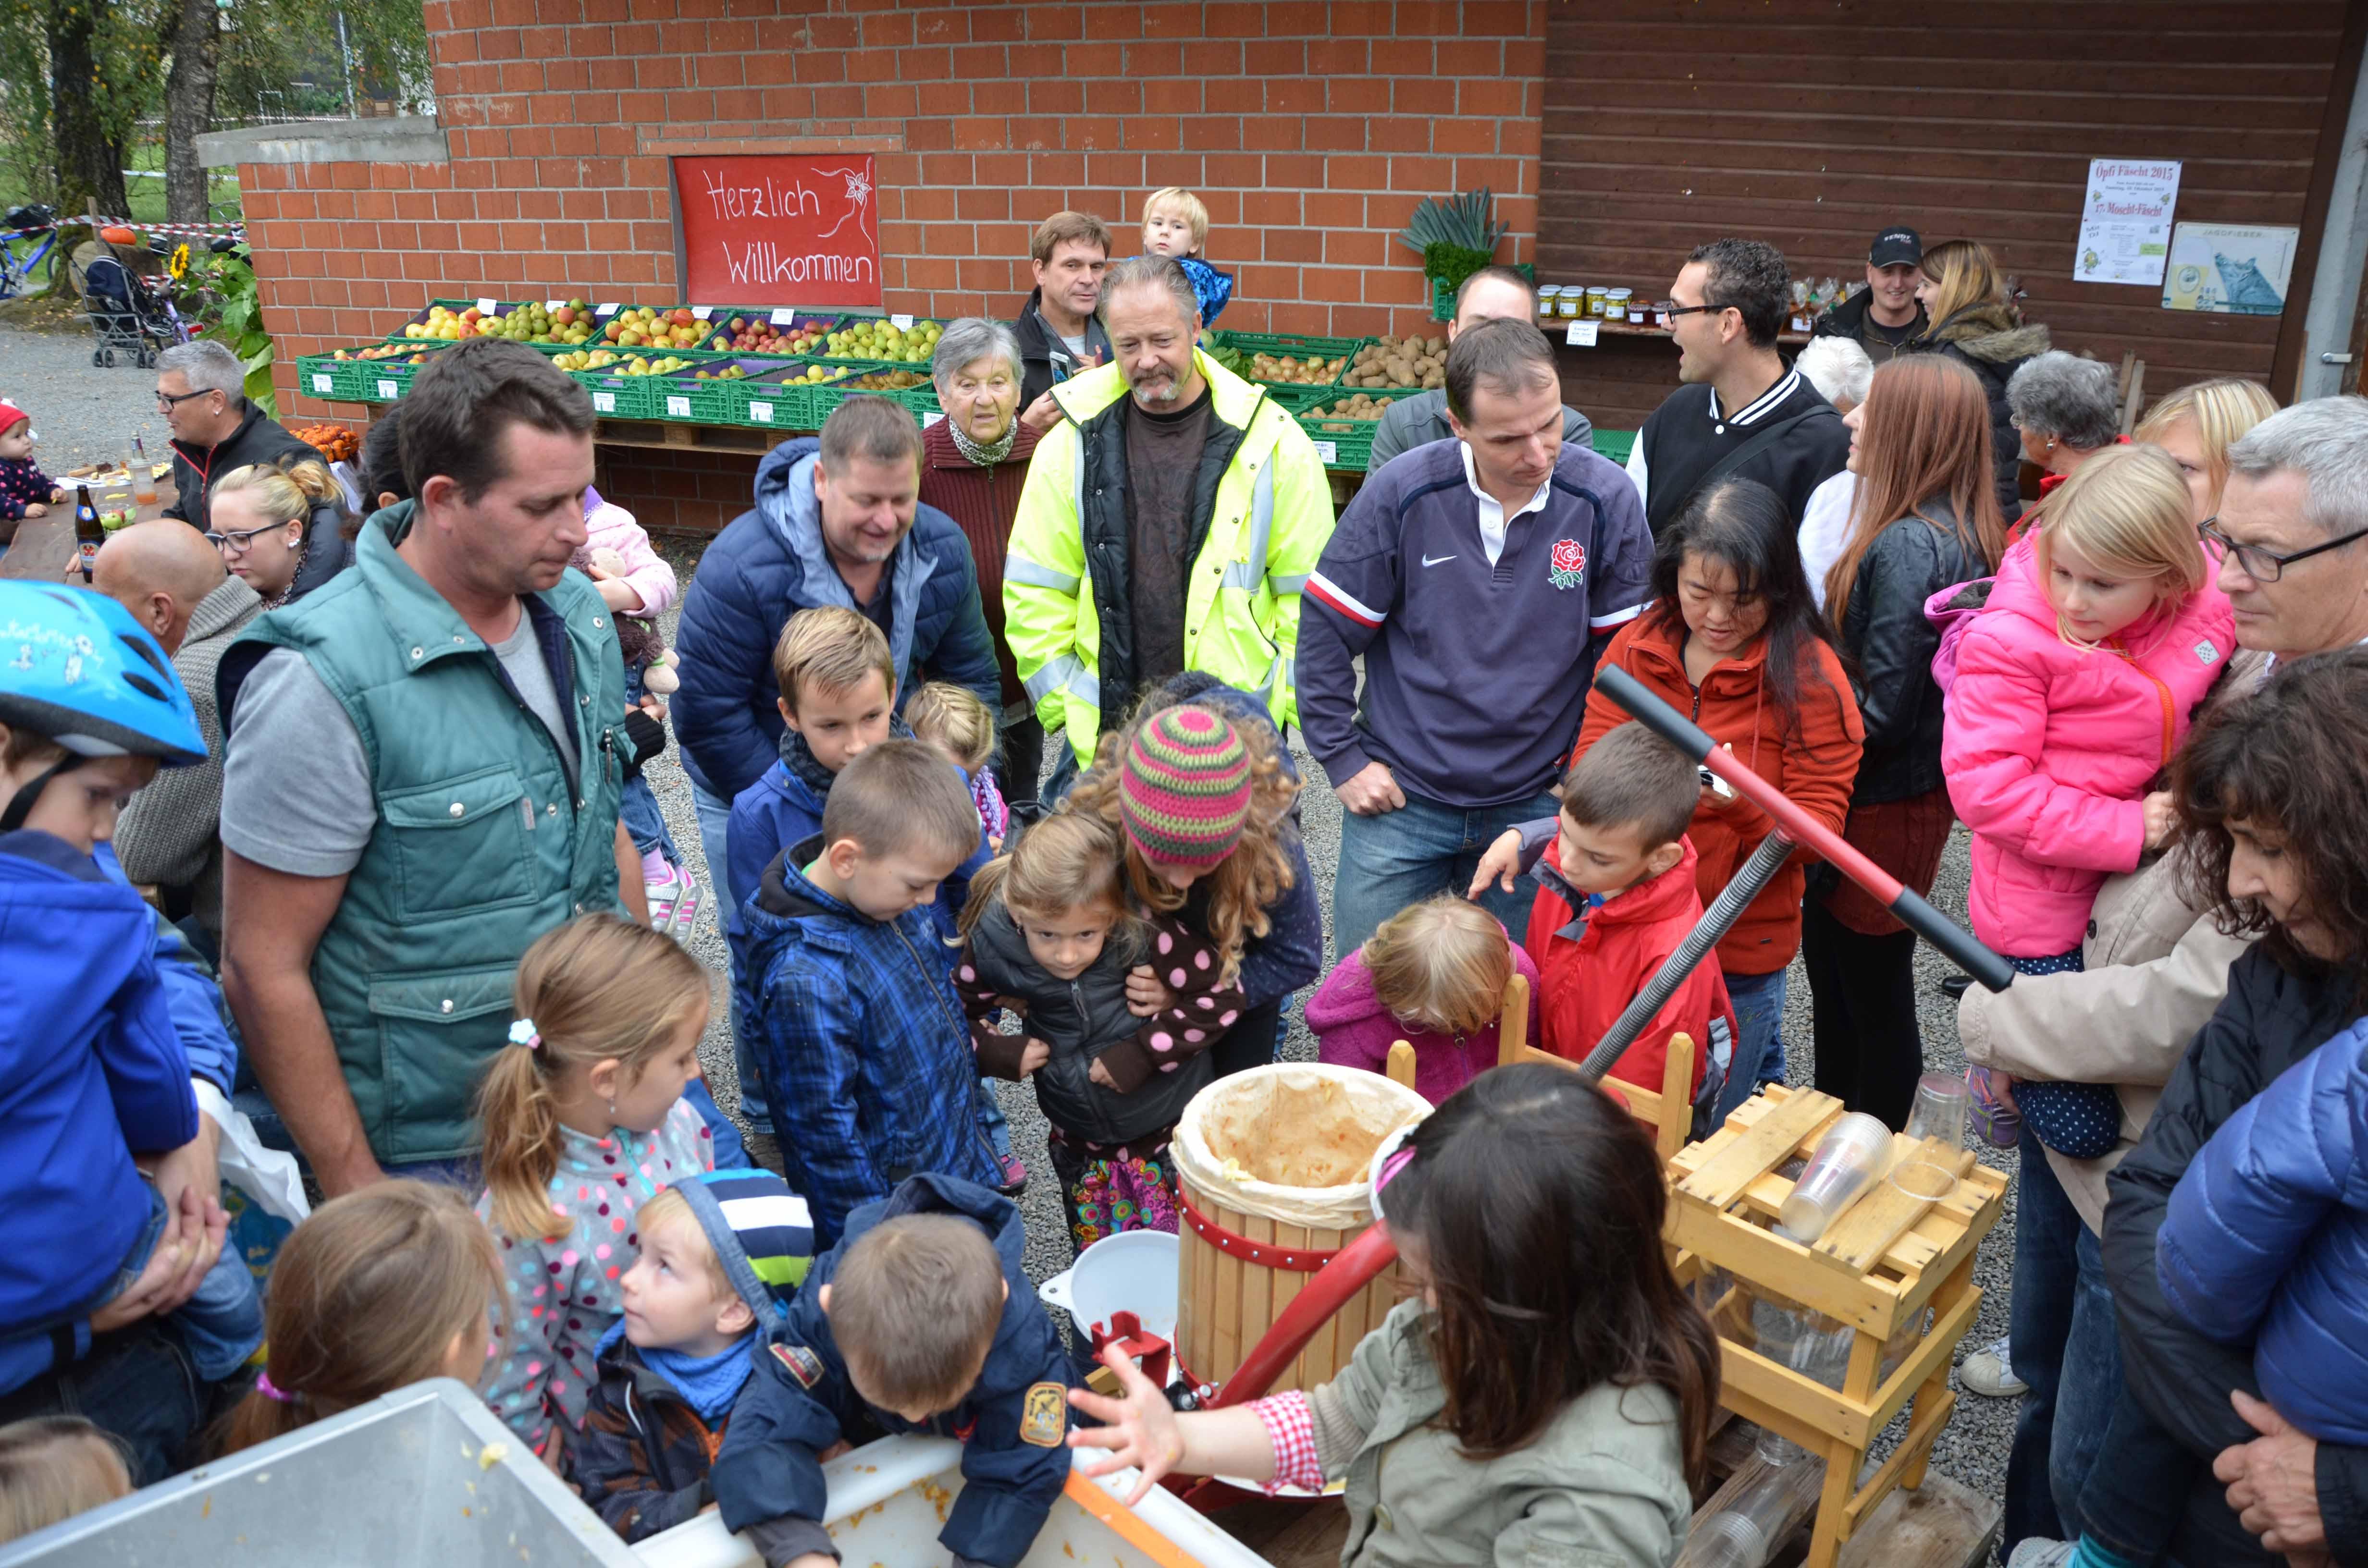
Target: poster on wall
column 777, row 229
column 2125, row 222
column 2231, row 268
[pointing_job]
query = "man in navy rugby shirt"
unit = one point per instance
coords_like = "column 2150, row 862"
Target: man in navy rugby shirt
column 1478, row 578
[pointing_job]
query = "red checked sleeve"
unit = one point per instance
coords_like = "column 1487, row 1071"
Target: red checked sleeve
column 1291, row 1427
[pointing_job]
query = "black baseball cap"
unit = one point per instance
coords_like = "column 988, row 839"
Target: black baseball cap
column 1894, row 247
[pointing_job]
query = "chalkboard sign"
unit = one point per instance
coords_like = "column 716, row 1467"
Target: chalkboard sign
column 779, row 229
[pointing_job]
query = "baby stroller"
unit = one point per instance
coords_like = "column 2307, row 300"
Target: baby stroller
column 126, row 312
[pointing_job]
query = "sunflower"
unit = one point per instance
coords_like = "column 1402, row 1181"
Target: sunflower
column 180, row 262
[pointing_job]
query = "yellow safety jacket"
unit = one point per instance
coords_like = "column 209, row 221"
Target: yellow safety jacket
column 1268, row 516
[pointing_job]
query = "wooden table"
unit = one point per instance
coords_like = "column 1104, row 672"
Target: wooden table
column 44, row 550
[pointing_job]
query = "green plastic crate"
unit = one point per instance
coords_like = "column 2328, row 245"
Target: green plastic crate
column 339, row 381
column 1615, row 444
column 501, row 308
column 619, row 397
column 1292, row 345
column 370, row 381
column 824, row 321
column 827, row 395
column 686, row 399
column 1442, row 298
column 1344, row 444
column 921, row 365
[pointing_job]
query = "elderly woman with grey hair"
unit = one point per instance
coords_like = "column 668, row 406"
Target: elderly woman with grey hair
column 1841, row 371
column 2066, row 409
column 973, row 462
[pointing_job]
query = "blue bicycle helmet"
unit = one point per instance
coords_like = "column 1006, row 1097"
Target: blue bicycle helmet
column 76, row 669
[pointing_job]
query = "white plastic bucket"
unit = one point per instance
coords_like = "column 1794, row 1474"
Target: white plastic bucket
column 1133, row 1271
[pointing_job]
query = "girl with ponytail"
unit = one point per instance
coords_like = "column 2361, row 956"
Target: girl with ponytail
column 584, row 1122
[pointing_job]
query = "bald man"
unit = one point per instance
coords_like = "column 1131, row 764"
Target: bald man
column 173, row 582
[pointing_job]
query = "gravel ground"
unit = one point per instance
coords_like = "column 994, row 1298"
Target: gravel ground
column 82, row 414
column 1971, row 1450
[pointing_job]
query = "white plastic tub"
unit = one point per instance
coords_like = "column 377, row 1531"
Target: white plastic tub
column 888, row 1500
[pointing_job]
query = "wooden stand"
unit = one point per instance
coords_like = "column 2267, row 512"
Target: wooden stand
column 1875, row 1270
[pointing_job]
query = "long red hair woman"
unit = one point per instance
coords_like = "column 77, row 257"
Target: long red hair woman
column 1926, row 518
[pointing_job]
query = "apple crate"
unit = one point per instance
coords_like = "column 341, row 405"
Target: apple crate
column 381, row 380
column 1894, row 1274
column 771, row 399
column 784, row 319
column 902, row 322
column 499, row 308
column 826, row 395
column 603, row 311
column 686, row 399
column 1289, row 345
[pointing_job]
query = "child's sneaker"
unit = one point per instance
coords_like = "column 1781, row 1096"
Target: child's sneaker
column 686, row 907
column 1995, row 1121
column 1015, row 1176
column 666, row 893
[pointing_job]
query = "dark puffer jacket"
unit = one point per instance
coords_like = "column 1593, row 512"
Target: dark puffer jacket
column 1889, row 644
column 1157, row 1063
column 2270, row 1020
column 259, row 438
column 2268, row 1237
column 770, row 563
column 1990, row 341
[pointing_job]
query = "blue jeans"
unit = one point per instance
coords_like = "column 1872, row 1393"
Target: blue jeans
column 714, row 830
column 1423, row 847
column 637, row 808
column 222, row 1325
column 1759, row 1039
column 2040, row 1316
column 137, row 1386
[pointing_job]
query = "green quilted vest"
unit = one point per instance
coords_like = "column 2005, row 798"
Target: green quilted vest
column 481, row 845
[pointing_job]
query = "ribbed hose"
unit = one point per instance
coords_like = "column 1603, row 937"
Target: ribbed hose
column 1721, row 915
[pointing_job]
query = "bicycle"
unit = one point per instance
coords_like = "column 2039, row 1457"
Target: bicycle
column 23, row 273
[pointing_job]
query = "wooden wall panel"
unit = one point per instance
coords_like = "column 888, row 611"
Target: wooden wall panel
column 1813, row 123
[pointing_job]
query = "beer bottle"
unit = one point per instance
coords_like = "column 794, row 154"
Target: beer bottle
column 88, row 535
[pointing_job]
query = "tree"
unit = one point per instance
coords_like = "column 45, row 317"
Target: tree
column 193, row 34
column 90, row 161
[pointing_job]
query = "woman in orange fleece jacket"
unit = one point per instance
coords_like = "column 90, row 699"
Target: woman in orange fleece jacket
column 1733, row 639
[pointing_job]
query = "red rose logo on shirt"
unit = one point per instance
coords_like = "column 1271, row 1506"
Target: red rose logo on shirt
column 1568, row 565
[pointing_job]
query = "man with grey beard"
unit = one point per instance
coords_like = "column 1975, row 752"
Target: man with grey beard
column 1168, row 524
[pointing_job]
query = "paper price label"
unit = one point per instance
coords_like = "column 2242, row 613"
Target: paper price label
column 902, row 323
column 1583, row 333
column 929, row 419
column 785, row 318
column 487, row 307
column 606, row 310
column 321, row 384
column 388, row 389
column 762, row 412
column 552, row 304
column 604, row 403
column 1329, row 452
column 678, row 407
column 701, row 312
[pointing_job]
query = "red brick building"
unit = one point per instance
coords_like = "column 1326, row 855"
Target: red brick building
column 1312, row 129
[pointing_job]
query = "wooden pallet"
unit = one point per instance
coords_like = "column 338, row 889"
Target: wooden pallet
column 1876, row 1270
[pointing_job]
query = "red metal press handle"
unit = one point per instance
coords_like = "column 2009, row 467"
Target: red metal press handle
column 1798, row 825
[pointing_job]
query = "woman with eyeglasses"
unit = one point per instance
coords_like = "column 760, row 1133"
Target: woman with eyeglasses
column 974, row 464
column 2197, row 425
column 1975, row 323
column 280, row 529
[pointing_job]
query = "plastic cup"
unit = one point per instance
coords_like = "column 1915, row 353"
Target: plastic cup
column 1846, row 1160
column 1937, row 1124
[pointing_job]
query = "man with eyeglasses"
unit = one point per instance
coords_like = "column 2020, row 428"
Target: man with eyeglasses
column 2291, row 543
column 1742, row 412
column 201, row 392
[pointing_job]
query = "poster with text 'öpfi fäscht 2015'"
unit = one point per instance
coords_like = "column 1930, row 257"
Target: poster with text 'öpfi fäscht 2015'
column 2125, row 222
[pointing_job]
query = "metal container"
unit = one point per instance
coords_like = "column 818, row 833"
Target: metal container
column 424, row 1477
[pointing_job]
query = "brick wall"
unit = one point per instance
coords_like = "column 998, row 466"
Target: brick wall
column 1310, row 130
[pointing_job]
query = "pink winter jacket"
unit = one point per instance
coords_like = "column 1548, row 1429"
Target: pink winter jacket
column 613, row 528
column 1353, row 1030
column 2049, row 749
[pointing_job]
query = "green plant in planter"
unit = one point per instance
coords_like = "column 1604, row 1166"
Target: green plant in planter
column 241, row 327
column 1456, row 238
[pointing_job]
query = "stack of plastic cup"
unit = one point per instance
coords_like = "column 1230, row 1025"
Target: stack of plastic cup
column 1846, row 1160
column 1938, row 1125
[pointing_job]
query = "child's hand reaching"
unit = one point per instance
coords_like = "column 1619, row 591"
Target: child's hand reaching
column 2161, row 818
column 1500, row 865
column 1142, row 1430
column 1101, row 1075
column 1034, row 1054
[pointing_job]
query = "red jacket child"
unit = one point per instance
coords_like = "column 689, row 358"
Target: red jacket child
column 1594, row 956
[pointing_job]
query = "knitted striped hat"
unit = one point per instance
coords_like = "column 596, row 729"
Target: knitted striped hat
column 1184, row 788
column 761, row 1233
